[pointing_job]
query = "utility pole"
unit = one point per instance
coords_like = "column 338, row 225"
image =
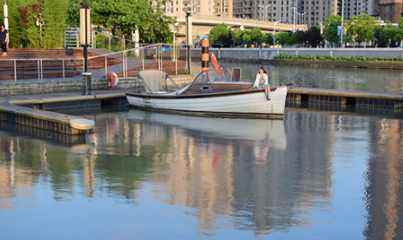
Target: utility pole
column 293, row 25
column 5, row 15
column 342, row 24
column 188, row 39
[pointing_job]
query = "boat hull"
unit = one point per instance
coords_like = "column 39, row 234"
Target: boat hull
column 242, row 104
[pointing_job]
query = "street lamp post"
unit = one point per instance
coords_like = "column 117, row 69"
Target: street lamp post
column 342, row 24
column 188, row 38
column 5, row 15
column 85, row 39
column 274, row 34
column 293, row 20
column 174, row 56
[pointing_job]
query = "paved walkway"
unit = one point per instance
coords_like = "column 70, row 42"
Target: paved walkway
column 62, row 97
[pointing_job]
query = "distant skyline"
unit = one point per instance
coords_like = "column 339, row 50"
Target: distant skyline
column 310, row 12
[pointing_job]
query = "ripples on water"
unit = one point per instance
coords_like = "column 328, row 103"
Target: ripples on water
column 153, row 176
column 374, row 80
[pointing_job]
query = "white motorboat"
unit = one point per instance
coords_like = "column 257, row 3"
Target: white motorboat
column 212, row 95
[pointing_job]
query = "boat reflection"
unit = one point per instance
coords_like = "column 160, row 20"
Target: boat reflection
column 271, row 132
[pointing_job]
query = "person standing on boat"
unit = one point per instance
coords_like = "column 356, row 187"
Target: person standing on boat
column 262, row 80
column 3, row 40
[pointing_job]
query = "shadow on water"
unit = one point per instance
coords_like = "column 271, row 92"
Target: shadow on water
column 307, row 177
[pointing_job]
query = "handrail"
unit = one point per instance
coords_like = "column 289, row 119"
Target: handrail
column 100, row 65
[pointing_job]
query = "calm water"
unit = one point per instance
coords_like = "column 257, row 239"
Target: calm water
column 152, row 176
column 374, row 80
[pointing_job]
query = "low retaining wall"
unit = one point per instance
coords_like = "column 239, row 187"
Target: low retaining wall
column 46, row 87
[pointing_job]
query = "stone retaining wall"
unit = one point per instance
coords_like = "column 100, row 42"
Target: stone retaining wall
column 54, row 86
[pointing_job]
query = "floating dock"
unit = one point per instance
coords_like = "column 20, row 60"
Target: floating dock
column 44, row 112
column 51, row 121
column 345, row 100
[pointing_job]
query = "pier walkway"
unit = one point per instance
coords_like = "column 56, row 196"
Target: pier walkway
column 42, row 111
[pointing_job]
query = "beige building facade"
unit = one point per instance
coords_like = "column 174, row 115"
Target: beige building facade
column 391, row 10
column 178, row 8
column 312, row 12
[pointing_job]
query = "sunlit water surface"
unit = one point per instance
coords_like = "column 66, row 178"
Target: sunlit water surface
column 153, row 176
column 373, row 80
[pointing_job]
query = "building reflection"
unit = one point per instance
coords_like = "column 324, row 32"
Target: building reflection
column 260, row 180
column 384, row 181
column 234, row 168
column 284, row 187
column 250, row 170
column 257, row 174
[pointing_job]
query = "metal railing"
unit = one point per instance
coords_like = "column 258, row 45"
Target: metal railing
column 126, row 64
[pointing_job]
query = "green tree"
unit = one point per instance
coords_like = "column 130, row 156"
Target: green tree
column 256, row 36
column 313, row 37
column 285, row 39
column 19, row 23
column 268, row 39
column 300, row 37
column 221, row 36
column 387, row 35
column 54, row 19
column 330, row 32
column 361, row 28
column 125, row 16
column 381, row 38
column 237, row 38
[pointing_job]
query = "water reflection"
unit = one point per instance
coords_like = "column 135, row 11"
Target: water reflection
column 266, row 177
column 385, row 182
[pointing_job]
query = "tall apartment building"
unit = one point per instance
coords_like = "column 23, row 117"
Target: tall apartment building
column 356, row 7
column 198, row 7
column 391, row 10
column 310, row 12
column 270, row 10
column 316, row 11
column 244, row 8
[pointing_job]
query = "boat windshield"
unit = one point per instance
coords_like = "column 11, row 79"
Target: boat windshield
column 212, row 76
